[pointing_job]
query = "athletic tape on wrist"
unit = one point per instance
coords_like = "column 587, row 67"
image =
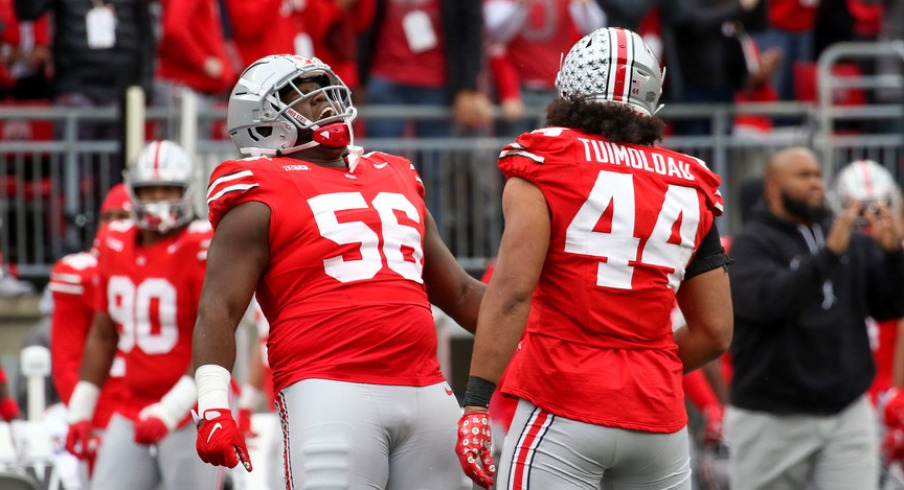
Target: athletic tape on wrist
column 213, row 387
column 178, row 401
column 479, row 392
column 83, row 402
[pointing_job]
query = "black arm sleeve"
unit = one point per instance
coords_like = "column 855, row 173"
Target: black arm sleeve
column 709, row 256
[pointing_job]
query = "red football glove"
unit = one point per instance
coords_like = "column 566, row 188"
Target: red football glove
column 893, row 414
column 245, row 423
column 893, row 446
column 150, row 430
column 220, row 442
column 9, row 409
column 712, row 429
column 80, row 441
column 475, row 441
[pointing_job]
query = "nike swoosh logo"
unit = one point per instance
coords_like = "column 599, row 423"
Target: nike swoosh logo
column 381, row 165
column 216, row 427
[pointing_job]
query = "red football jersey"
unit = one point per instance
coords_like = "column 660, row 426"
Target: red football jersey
column 625, row 222
column 343, row 292
column 72, row 288
column 884, row 338
column 152, row 294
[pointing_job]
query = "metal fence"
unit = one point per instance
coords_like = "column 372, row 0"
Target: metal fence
column 52, row 187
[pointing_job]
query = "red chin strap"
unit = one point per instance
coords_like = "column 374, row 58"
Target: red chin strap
column 335, row 135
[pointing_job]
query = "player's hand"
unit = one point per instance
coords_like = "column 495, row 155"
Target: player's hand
column 712, row 428
column 245, row 423
column 893, row 413
column 220, row 442
column 150, row 430
column 80, row 440
column 473, row 448
column 9, row 409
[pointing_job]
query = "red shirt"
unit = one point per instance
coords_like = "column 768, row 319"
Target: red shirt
column 192, row 32
column 334, row 35
column 884, row 336
column 625, row 222
column 264, row 27
column 343, row 291
column 152, row 295
column 72, row 287
column 792, row 15
column 547, row 35
column 394, row 60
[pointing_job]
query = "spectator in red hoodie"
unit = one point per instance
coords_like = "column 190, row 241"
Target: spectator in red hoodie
column 264, row 27
column 191, row 54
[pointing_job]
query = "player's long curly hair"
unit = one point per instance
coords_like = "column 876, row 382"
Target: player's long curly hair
column 615, row 122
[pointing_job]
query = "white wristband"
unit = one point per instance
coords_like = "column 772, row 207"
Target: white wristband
column 213, row 387
column 83, row 402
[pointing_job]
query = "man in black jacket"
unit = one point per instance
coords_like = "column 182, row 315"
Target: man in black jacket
column 802, row 287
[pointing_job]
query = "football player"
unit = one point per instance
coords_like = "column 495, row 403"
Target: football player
column 872, row 185
column 72, row 289
column 149, row 271
column 601, row 229
column 345, row 260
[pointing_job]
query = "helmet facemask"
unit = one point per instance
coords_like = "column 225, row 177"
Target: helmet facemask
column 162, row 164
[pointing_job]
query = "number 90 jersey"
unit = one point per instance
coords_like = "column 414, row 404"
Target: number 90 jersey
column 625, row 222
column 152, row 293
column 343, row 290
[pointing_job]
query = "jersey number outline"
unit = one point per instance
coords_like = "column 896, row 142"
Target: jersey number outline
column 620, row 247
column 395, row 236
column 130, row 306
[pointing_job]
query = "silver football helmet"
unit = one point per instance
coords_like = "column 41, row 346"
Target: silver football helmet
column 612, row 64
column 260, row 123
column 162, row 163
column 865, row 181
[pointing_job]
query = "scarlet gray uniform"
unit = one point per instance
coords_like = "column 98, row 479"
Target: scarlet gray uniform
column 598, row 361
column 352, row 342
column 152, row 294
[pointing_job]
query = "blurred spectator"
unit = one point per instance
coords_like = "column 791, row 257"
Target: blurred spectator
column 527, row 40
column 424, row 52
column 802, row 286
column 99, row 49
column 790, row 29
column 191, row 54
column 31, row 69
column 267, row 27
column 339, row 23
column 846, row 20
column 714, row 55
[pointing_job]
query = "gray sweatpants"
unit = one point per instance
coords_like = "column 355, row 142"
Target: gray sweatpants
column 341, row 435
column 796, row 452
column 543, row 451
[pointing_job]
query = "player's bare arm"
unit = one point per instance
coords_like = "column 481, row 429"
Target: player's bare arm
column 100, row 349
column 448, row 285
column 705, row 301
column 236, row 258
column 522, row 252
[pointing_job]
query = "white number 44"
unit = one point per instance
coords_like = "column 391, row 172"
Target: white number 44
column 620, row 247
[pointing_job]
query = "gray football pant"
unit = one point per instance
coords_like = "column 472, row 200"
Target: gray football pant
column 543, row 451
column 345, row 435
column 173, row 464
column 795, row 452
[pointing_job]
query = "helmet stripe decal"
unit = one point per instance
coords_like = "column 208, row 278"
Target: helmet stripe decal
column 619, row 41
column 157, row 148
